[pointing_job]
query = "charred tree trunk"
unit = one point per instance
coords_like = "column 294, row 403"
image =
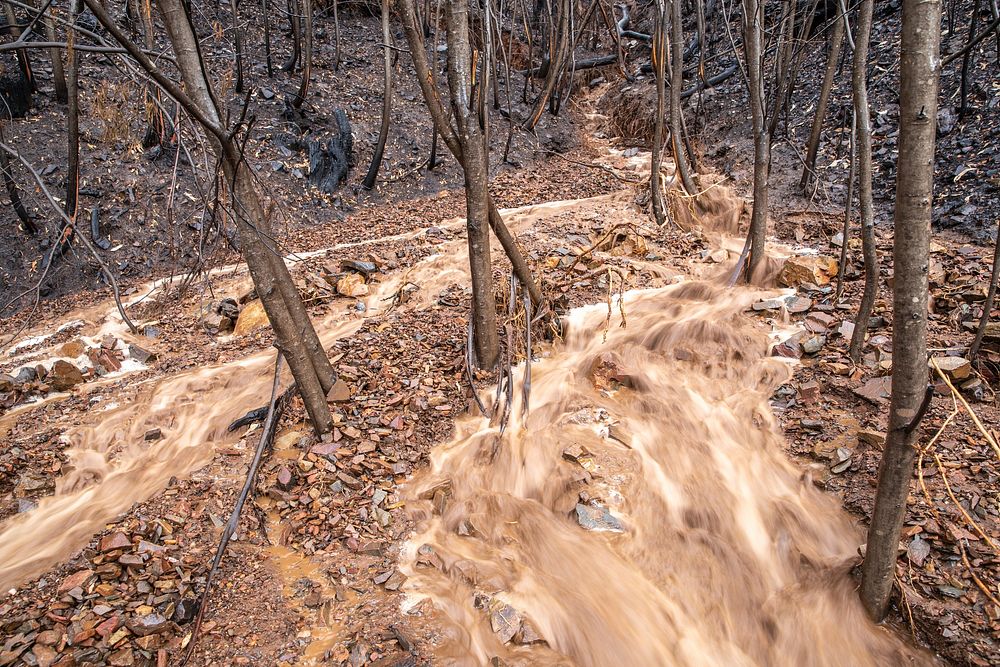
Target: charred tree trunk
column 296, row 338
column 836, row 42
column 475, row 166
column 425, row 78
column 237, row 44
column 753, row 29
column 990, row 298
column 296, row 27
column 58, row 73
column 659, row 55
column 383, row 133
column 919, row 74
column 13, row 191
column 265, row 7
column 307, row 53
column 559, row 52
column 676, row 84
column 862, row 117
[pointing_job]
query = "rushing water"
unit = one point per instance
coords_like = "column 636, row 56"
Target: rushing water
column 726, row 555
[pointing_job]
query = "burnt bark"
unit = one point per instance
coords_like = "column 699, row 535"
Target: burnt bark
column 919, row 75
column 676, row 84
column 753, row 28
column 862, row 116
column 659, row 55
column 383, row 133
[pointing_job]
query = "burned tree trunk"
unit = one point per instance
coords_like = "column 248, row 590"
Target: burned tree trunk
column 812, row 149
column 294, row 333
column 383, row 133
column 862, row 117
column 659, row 55
column 919, row 73
column 753, row 29
column 307, row 53
column 676, row 84
column 296, row 28
column 475, row 165
column 58, row 73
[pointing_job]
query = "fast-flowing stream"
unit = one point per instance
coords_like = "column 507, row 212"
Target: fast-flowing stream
column 642, row 512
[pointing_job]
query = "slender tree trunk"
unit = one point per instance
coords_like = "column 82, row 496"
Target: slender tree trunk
column 812, row 149
column 484, row 312
column 862, row 116
column 72, row 118
column 659, row 55
column 58, row 73
column 676, row 84
column 753, row 28
column 784, row 65
column 307, row 53
column 265, row 7
column 990, row 297
column 848, row 208
column 295, row 335
column 557, row 61
column 336, row 38
column 294, row 22
column 919, row 74
column 13, row 191
column 237, row 44
column 383, row 133
column 963, row 97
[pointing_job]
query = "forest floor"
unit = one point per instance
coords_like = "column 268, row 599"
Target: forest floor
column 312, row 578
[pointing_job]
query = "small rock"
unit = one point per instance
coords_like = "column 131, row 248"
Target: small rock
column 846, row 329
column 64, row 376
column 6, row 383
column 352, row 284
column 285, row 479
column 141, row 354
column 26, row 374
column 78, row 579
column 798, row 304
column 956, row 368
column 505, row 621
column 150, row 624
column 877, row 390
column 597, row 519
column 767, row 304
column 813, row 344
column 228, row 308
column 115, row 541
column 339, row 392
column 872, row 438
column 918, row 550
column 818, row 322
column 153, row 434
column 72, row 349
column 815, row 269
column 252, row 317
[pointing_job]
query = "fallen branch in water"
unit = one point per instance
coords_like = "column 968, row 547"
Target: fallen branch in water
column 274, row 410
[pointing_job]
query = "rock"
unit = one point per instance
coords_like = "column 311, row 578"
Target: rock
column 956, row 368
column 72, row 349
column 185, row 611
column 352, row 284
column 367, row 269
column 846, row 329
column 873, row 438
column 813, row 344
column 504, row 620
column 252, row 317
column 141, row 354
column 339, row 392
column 798, row 304
column 122, row 658
column 64, row 376
column 992, row 331
column 768, row 304
column 25, row 374
column 150, row 624
column 815, row 269
column 789, row 348
column 394, row 582
column 215, row 323
column 597, row 519
column 27, row 483
column 528, row 634
column 818, row 322
column 152, row 434
column 877, row 390
column 79, row 579
column 229, row 308
column 918, row 550
column 114, row 541
column 45, row 656
column 6, row 382
column 285, row 480
column 810, row 392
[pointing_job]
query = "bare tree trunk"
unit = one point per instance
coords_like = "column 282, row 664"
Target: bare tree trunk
column 557, row 61
column 72, row 120
column 13, row 191
column 753, row 28
column 659, row 55
column 383, row 133
column 919, row 74
column 425, row 78
column 836, row 42
column 676, row 84
column 784, row 64
column 475, row 164
column 963, row 97
column 294, row 22
column 862, row 116
column 336, row 38
column 848, row 208
column 237, row 44
column 990, row 297
column 265, row 7
column 295, row 335
column 58, row 73
column 307, row 53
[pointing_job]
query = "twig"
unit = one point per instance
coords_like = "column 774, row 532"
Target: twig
column 274, row 410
